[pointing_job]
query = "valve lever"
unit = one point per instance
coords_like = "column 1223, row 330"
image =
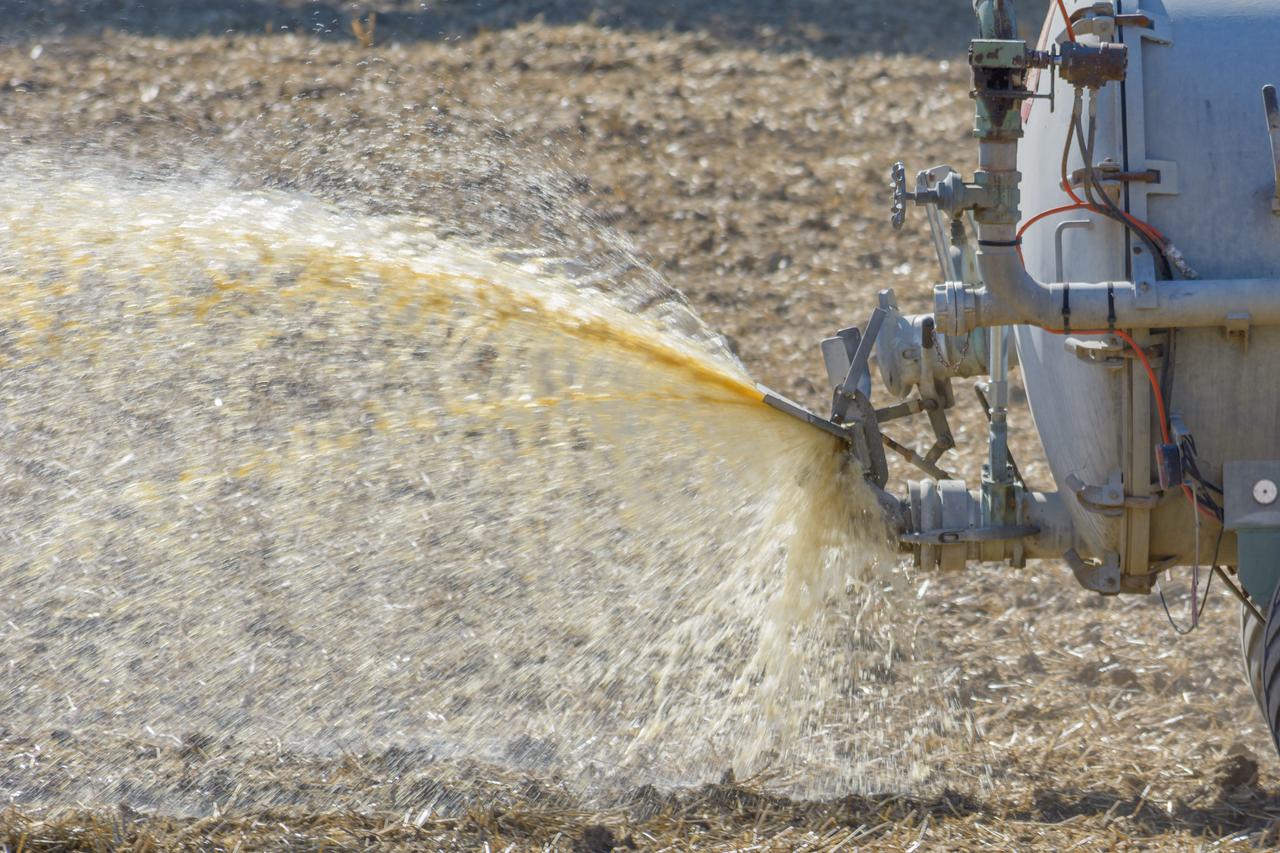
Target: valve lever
column 858, row 365
column 898, row 212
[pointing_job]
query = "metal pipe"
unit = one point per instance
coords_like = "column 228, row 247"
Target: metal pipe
column 998, row 427
column 1048, row 512
column 995, row 19
column 1009, row 295
column 1012, row 297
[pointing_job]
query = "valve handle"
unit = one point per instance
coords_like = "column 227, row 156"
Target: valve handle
column 898, row 212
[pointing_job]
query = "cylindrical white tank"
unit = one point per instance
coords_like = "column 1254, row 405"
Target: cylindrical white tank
column 1191, row 112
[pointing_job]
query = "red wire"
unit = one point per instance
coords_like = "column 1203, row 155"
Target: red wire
column 1146, row 366
column 1137, row 350
column 1156, row 237
column 1155, row 388
column 1146, row 227
column 1071, row 31
column 1033, row 220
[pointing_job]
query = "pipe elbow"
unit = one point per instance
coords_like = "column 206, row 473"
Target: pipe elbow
column 1009, row 296
column 1012, row 295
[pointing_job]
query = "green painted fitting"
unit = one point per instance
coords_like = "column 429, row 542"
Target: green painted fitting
column 995, row 19
column 998, row 53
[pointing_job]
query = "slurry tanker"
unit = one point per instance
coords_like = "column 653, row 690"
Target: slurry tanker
column 1119, row 244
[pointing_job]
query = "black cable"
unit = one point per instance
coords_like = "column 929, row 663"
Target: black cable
column 1166, row 378
column 1092, row 184
column 1191, row 465
column 1239, row 594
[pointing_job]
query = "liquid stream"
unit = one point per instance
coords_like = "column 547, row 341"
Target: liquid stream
column 281, row 476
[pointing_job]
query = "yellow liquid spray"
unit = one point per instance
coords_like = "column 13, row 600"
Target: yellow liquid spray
column 283, row 475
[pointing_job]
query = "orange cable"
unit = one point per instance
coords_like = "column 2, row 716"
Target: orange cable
column 1033, row 220
column 1155, row 387
column 1157, row 238
column 1071, row 31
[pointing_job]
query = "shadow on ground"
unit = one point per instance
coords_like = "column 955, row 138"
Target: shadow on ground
column 825, row 27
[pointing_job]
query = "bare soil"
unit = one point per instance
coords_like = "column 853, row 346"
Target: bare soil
column 744, row 152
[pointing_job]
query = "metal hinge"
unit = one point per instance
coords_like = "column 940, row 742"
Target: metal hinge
column 1108, row 352
column 1109, row 500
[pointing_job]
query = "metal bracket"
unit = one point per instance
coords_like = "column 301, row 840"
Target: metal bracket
column 859, row 374
column 1237, row 327
column 1167, row 180
column 1251, row 507
column 1109, row 500
column 1103, row 353
column 1100, row 576
column 1153, row 27
column 1108, row 352
column 1138, row 19
column 838, row 353
column 1149, row 28
column 1160, row 177
column 1096, row 20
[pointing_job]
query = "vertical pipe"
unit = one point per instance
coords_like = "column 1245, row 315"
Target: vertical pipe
column 998, row 435
column 995, row 19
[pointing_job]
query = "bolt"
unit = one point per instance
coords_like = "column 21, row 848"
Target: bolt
column 1144, row 286
column 1264, row 492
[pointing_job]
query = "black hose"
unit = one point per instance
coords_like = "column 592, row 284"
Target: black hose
column 1102, row 201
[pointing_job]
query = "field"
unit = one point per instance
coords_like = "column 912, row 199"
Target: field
column 743, row 151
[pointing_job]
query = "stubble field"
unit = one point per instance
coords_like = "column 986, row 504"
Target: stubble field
column 744, row 154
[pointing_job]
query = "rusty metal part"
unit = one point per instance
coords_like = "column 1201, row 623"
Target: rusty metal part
column 1136, row 19
column 1111, row 172
column 1092, row 66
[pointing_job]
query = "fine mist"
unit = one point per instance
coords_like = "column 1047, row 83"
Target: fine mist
column 290, row 478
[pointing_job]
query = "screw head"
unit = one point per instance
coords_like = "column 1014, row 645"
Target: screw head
column 1264, row 492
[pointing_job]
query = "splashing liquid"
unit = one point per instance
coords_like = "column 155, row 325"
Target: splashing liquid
column 279, row 473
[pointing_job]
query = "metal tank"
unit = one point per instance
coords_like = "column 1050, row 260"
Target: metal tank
column 1120, row 246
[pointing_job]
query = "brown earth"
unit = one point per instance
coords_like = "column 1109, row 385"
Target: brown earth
column 744, row 153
